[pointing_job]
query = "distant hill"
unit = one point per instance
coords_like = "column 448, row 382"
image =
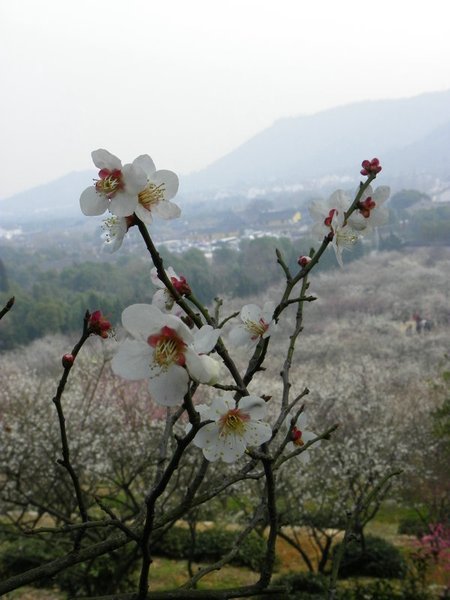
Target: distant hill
column 411, row 136
column 56, row 200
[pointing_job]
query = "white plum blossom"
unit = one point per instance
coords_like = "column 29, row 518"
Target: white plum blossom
column 114, row 231
column 161, row 186
column 164, row 351
column 371, row 212
column 300, row 436
column 257, row 323
column 235, row 427
column 329, row 217
column 117, row 187
column 162, row 298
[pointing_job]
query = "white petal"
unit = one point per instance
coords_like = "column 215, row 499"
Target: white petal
column 307, row 436
column 302, row 422
column 231, row 448
column 220, row 405
column 123, row 204
column 267, row 311
column 105, row 160
column 155, row 279
column 318, row 210
column 251, row 312
column 142, row 320
column 169, row 387
column 134, row 178
column 339, row 200
column 240, row 336
column 168, row 179
column 166, row 210
column 145, row 163
column 144, row 215
column 207, row 435
column 206, row 338
column 254, row 406
column 211, row 369
column 256, row 433
column 91, row 203
column 198, row 369
column 381, row 194
column 132, row 360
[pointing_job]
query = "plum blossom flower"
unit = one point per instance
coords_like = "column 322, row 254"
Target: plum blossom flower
column 257, row 323
column 371, row 212
column 329, row 219
column 300, row 436
column 162, row 298
column 235, row 427
column 164, row 351
column 154, row 199
column 114, row 231
column 116, row 188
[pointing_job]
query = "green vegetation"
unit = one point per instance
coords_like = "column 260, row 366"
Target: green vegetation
column 376, row 558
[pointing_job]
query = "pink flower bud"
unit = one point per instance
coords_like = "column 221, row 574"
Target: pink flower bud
column 67, row 360
column 370, row 167
column 98, row 325
column 181, row 285
column 303, row 260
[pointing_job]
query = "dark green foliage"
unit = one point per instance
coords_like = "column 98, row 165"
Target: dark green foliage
column 384, row 590
column 412, row 526
column 210, row 545
column 379, row 558
column 301, row 586
column 108, row 573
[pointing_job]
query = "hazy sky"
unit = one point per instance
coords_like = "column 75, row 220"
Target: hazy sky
column 186, row 81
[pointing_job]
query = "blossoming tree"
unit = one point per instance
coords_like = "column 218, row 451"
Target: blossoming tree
column 191, row 358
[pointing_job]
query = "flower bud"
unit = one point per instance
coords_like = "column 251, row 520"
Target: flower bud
column 98, row 325
column 370, row 167
column 67, row 360
column 303, row 260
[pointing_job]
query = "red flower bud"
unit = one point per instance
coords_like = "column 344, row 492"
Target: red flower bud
column 181, row 285
column 98, row 325
column 370, row 167
column 303, row 260
column 67, row 360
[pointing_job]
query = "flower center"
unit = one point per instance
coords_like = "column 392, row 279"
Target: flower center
column 233, row 422
column 169, row 348
column 345, row 238
column 151, row 195
column 257, row 328
column 297, row 437
column 111, row 227
column 110, row 182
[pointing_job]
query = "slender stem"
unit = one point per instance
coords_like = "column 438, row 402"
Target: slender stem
column 8, row 306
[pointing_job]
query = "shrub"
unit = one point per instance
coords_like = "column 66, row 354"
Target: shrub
column 382, row 590
column 412, row 526
column 211, row 545
column 101, row 575
column 379, row 559
column 301, row 586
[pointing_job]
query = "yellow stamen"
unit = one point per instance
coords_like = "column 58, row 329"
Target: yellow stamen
column 151, row 195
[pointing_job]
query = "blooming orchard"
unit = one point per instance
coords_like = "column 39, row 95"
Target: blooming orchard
column 207, row 399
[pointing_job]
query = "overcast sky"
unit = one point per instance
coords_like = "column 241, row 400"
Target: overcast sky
column 187, row 81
